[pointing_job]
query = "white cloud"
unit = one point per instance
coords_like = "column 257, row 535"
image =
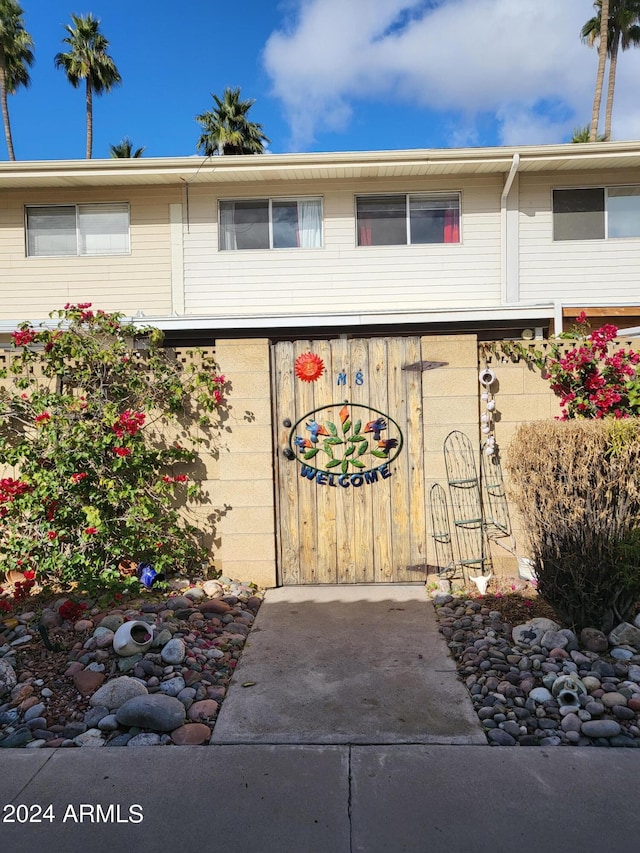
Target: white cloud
column 519, row 61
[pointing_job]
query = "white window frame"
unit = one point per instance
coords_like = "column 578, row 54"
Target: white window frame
column 605, row 190
column 271, row 200
column 408, row 196
column 77, row 208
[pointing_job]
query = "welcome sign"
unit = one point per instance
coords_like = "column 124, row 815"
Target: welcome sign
column 345, row 444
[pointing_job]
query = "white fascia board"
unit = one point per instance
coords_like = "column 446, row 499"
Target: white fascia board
column 278, row 321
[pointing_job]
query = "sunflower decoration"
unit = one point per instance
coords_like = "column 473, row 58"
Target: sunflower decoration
column 309, row 367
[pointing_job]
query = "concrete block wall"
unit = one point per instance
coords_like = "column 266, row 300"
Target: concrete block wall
column 241, row 485
column 450, row 402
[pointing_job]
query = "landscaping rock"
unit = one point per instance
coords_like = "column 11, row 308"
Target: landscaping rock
column 115, row 693
column 625, row 634
column 157, row 711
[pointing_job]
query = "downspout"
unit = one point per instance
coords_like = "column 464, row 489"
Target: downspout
column 510, row 289
column 558, row 321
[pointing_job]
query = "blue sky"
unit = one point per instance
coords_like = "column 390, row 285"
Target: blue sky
column 327, row 75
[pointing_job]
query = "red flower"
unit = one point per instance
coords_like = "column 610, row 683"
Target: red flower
column 77, row 478
column 90, row 530
column 180, row 478
column 23, row 337
column 129, row 422
column 52, row 535
column 30, row 575
column 122, row 451
column 43, row 417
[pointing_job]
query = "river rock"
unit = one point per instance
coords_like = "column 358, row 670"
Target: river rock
column 213, row 589
column 544, row 624
column 92, row 737
column 553, row 640
column 593, row 640
column 625, row 634
column 215, row 605
column 8, row 678
column 540, row 694
column 191, row 734
column 155, row 711
column 87, row 681
column 601, row 728
column 526, row 635
column 116, row 692
column 174, row 652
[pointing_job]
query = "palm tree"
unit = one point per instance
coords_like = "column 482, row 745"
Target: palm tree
column 227, row 130
column 15, row 56
column 603, row 40
column 88, row 60
column 624, row 32
column 581, row 134
column 125, row 149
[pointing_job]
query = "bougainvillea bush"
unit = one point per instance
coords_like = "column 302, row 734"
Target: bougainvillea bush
column 88, row 409
column 591, row 380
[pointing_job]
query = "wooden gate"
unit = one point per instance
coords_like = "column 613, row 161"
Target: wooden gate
column 349, row 462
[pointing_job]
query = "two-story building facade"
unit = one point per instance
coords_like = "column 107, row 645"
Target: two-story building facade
column 387, row 266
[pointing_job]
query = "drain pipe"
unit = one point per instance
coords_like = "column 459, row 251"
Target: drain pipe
column 507, row 295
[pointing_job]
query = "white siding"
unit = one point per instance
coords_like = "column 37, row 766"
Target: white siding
column 31, row 287
column 581, row 271
column 341, row 276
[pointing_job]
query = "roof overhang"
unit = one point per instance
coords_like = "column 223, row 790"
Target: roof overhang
column 264, row 322
column 148, row 171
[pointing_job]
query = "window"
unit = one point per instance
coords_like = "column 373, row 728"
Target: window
column 596, row 213
column 267, row 223
column 78, row 229
column 399, row 220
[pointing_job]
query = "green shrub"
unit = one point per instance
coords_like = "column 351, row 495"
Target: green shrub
column 84, row 417
column 575, row 484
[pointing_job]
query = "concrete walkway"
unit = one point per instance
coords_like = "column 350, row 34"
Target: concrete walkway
column 347, row 664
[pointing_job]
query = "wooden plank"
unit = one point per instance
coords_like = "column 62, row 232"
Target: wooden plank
column 414, row 450
column 307, row 489
column 399, row 482
column 363, row 539
column 324, row 393
column 346, row 571
column 288, row 471
column 381, row 507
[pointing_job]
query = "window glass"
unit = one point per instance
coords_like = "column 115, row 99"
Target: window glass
column 103, row 229
column 264, row 223
column 285, row 225
column 244, row 224
column 434, row 219
column 623, row 212
column 578, row 214
column 51, row 231
column 382, row 220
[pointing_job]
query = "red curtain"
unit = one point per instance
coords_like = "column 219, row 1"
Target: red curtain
column 364, row 232
column 451, row 226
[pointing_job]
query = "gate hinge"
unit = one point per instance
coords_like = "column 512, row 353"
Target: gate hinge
column 424, row 365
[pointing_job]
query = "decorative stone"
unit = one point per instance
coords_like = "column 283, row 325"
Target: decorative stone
column 601, row 728
column 540, row 695
column 593, row 640
column 621, row 654
column 625, row 634
column 191, row 734
column 8, row 678
column 20, row 737
column 157, row 711
column 213, row 589
column 92, row 737
column 116, row 692
column 498, row 737
column 553, row 640
column 86, row 682
column 174, row 652
column 633, row 673
column 215, row 605
column 94, row 715
column 195, row 593
column 611, row 699
column 145, row 739
column 526, row 635
column 544, row 625
column 206, row 709
column 172, row 686
column 111, row 622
